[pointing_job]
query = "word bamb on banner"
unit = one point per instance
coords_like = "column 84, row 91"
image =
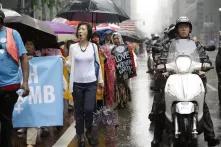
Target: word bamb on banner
column 44, row 105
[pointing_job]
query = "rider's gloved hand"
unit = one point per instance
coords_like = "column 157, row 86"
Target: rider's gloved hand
column 160, row 66
column 206, row 66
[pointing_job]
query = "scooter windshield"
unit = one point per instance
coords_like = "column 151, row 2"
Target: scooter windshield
column 183, row 47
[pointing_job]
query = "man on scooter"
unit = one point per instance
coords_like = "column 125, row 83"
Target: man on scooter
column 183, row 29
column 159, row 79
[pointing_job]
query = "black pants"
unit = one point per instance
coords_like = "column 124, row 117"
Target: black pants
column 84, row 105
column 218, row 71
column 7, row 102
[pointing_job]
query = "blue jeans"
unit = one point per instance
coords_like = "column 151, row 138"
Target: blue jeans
column 84, row 105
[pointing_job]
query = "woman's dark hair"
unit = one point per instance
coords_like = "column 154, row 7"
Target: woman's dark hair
column 96, row 34
column 89, row 29
column 68, row 43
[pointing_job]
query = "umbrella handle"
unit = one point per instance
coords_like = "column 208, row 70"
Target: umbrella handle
column 93, row 22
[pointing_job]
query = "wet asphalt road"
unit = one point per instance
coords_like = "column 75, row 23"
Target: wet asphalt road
column 134, row 126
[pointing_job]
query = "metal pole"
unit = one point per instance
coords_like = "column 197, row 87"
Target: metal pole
column 23, row 4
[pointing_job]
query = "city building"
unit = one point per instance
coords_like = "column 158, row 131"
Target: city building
column 125, row 5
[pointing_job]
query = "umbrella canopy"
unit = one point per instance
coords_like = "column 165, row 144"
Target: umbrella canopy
column 109, row 26
column 103, row 33
column 9, row 12
column 95, row 11
column 130, row 36
column 59, row 20
column 60, row 28
column 32, row 29
column 65, row 21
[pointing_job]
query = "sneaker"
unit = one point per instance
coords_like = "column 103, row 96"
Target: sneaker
column 21, row 131
column 213, row 142
column 81, row 141
column 44, row 132
column 70, row 108
column 155, row 143
column 91, row 139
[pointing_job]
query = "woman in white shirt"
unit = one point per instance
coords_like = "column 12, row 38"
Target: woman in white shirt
column 83, row 82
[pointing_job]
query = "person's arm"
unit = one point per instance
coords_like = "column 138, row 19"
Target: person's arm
column 25, row 73
column 204, row 58
column 24, row 61
column 100, row 77
column 68, row 61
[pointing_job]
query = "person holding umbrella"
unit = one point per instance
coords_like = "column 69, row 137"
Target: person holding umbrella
column 12, row 53
column 83, row 82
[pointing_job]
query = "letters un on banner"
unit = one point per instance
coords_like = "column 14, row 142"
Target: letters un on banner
column 124, row 62
column 44, row 105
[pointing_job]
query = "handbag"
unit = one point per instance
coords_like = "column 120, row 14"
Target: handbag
column 96, row 64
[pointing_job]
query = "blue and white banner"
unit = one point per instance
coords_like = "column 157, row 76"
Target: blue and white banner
column 44, row 105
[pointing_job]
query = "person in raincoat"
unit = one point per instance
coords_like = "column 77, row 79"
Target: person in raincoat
column 122, row 86
column 66, row 76
column 100, row 90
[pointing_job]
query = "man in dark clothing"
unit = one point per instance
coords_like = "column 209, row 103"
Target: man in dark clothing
column 12, row 53
column 218, row 68
column 183, row 29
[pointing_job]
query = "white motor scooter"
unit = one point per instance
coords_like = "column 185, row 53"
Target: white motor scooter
column 184, row 99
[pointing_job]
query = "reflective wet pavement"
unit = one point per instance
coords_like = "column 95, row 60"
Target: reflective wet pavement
column 134, row 126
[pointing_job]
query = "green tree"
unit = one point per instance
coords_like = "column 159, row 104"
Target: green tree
column 50, row 4
column 42, row 5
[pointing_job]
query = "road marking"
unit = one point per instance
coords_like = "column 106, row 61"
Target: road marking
column 67, row 137
column 211, row 87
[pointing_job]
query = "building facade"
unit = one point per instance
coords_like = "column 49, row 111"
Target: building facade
column 40, row 9
column 125, row 5
column 11, row 4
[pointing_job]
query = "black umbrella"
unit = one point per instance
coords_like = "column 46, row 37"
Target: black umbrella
column 95, row 11
column 33, row 29
column 130, row 36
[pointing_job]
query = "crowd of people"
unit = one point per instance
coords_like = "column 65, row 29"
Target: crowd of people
column 91, row 77
column 87, row 87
